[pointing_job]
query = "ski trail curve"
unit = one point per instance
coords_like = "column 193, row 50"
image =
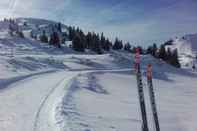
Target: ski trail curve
column 45, row 117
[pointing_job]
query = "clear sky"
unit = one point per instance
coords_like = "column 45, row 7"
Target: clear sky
column 137, row 21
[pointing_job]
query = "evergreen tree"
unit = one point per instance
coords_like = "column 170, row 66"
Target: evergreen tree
column 162, row 53
column 154, row 50
column 117, row 44
column 98, row 45
column 11, row 30
column 43, row 37
column 174, row 59
column 20, row 34
column 127, row 47
column 149, row 50
column 78, row 44
column 55, row 40
column 88, row 40
column 71, row 31
column 59, row 27
column 102, row 41
column 169, row 55
column 107, row 45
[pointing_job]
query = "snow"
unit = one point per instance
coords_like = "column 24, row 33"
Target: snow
column 44, row 88
column 108, row 101
column 20, row 102
column 187, row 50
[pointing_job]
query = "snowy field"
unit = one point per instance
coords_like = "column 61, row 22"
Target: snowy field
column 43, row 88
column 108, row 101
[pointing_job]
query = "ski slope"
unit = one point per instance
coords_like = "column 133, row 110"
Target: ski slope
column 43, row 88
column 20, row 101
column 109, row 101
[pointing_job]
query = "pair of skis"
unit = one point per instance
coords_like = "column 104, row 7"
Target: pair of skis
column 141, row 94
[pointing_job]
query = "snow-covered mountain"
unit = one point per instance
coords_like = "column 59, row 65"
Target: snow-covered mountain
column 187, row 49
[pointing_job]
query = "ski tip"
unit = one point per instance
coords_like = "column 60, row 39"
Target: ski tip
column 149, row 71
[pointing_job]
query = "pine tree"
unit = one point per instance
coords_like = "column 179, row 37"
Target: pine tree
column 107, row 45
column 88, row 40
column 162, row 53
column 102, row 41
column 20, row 34
column 43, row 37
column 169, row 55
column 71, row 31
column 127, row 47
column 11, row 30
column 117, row 44
column 78, row 44
column 98, row 45
column 154, row 50
column 55, row 40
column 174, row 59
column 59, row 27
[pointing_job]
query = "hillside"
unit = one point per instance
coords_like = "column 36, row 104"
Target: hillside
column 46, row 88
column 187, row 49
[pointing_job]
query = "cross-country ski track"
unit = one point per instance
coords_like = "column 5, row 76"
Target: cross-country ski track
column 28, row 104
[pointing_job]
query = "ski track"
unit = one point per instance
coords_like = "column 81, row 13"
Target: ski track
column 20, row 89
column 4, row 83
column 17, row 95
column 43, row 102
column 38, row 124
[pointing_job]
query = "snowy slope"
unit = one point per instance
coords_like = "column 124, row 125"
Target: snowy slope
column 187, row 49
column 107, row 101
column 43, row 88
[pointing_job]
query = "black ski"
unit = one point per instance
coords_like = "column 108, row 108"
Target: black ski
column 152, row 97
column 141, row 92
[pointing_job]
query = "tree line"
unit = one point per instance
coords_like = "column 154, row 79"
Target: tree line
column 166, row 54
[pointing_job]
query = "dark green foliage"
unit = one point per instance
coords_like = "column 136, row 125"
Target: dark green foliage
column 173, row 60
column 78, row 44
column 90, row 41
column 162, row 53
column 55, row 40
column 71, row 31
column 117, row 44
column 153, row 50
column 20, row 34
column 44, row 38
column 169, row 56
column 105, row 43
column 127, row 47
column 59, row 27
column 32, row 35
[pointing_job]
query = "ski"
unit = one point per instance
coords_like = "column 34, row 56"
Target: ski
column 140, row 91
column 152, row 97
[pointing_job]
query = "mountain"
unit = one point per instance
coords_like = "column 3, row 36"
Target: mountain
column 187, row 49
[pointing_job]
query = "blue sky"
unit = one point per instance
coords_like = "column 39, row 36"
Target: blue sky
column 137, row 21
